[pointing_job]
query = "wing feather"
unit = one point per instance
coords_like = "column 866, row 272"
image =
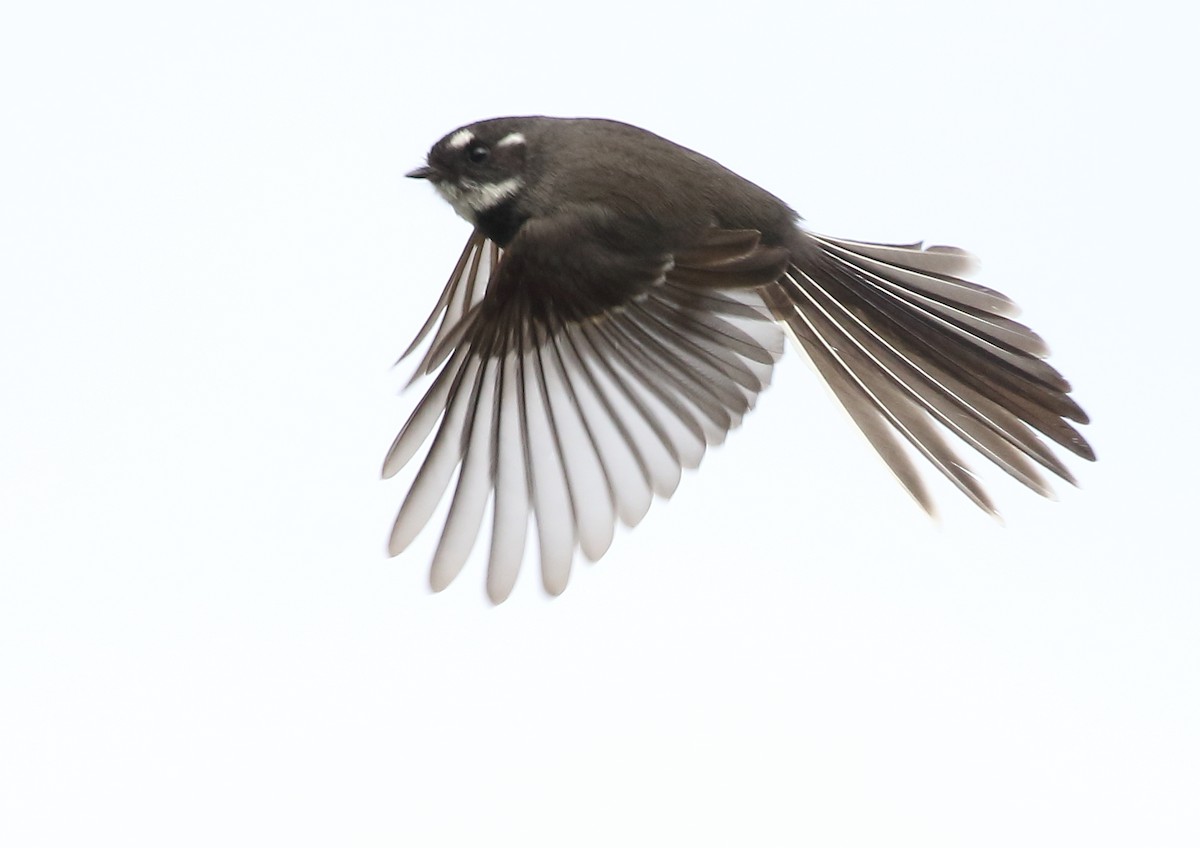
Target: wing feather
column 574, row 398
column 576, row 418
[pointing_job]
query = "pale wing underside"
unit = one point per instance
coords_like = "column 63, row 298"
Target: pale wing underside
column 579, row 423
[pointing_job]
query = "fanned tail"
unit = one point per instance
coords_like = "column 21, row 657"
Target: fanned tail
column 913, row 349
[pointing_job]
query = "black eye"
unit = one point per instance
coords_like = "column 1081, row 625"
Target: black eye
column 478, row 154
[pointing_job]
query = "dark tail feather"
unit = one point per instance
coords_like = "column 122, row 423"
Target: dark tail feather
column 907, row 345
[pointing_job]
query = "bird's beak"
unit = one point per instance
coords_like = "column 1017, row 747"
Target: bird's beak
column 422, row 173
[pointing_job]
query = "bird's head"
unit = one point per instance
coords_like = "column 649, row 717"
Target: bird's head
column 478, row 167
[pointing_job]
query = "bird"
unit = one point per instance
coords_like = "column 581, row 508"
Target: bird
column 618, row 307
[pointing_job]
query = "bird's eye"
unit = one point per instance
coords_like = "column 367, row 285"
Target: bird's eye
column 478, row 154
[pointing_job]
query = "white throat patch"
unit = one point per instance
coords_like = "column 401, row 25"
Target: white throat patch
column 471, row 198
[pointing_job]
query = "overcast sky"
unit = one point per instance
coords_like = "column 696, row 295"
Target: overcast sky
column 209, row 259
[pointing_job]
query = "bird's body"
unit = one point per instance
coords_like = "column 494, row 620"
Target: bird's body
column 621, row 303
column 660, row 189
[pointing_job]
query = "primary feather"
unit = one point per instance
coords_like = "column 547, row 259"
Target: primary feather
column 593, row 341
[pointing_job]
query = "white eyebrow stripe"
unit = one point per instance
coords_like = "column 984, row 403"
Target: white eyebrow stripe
column 511, row 138
column 460, row 139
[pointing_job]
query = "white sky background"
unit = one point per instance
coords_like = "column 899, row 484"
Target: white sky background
column 209, row 258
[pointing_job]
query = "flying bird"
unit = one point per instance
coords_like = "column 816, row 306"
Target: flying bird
column 620, row 304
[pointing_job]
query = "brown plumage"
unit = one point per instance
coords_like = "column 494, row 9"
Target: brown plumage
column 619, row 307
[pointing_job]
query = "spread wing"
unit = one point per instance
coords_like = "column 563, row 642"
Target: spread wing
column 575, row 378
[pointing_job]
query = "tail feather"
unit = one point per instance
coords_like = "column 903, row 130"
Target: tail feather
column 1021, row 351
column 1022, row 378
column 880, row 432
column 874, row 388
column 965, row 413
column 907, row 345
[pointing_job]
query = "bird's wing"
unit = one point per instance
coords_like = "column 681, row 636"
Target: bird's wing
column 911, row 348
column 575, row 379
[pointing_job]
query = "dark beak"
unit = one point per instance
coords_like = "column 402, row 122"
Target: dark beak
column 422, row 173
